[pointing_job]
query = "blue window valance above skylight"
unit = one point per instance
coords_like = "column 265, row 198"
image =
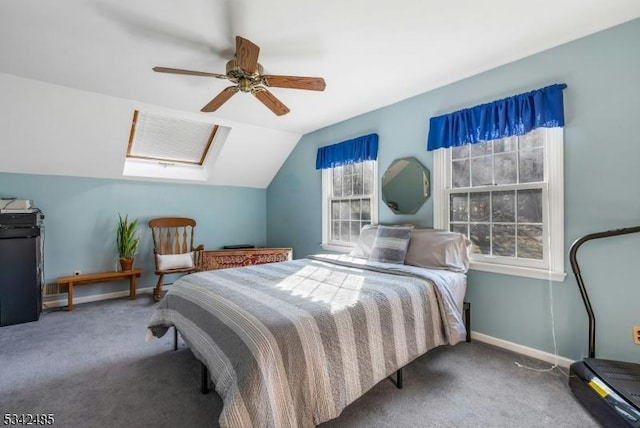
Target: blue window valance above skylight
column 515, row 115
column 350, row 151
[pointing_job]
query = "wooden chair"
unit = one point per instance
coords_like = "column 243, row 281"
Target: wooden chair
column 173, row 248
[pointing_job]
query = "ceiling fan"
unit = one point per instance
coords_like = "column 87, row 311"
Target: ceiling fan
column 245, row 71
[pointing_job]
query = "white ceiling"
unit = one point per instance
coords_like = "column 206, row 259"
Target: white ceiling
column 371, row 53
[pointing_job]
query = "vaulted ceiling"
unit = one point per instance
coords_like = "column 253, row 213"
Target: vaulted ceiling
column 56, row 57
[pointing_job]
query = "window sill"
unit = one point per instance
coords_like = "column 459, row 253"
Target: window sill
column 519, row 271
column 336, row 248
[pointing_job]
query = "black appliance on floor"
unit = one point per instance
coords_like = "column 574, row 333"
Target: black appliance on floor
column 21, row 266
column 609, row 390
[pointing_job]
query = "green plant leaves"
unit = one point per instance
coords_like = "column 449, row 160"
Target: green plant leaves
column 127, row 238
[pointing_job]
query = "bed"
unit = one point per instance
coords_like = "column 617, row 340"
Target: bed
column 291, row 344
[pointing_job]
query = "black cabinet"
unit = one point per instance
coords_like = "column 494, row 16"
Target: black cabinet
column 20, row 269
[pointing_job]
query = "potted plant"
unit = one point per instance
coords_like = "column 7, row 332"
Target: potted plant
column 127, row 241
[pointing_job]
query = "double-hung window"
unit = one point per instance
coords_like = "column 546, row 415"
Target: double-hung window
column 349, row 190
column 506, row 195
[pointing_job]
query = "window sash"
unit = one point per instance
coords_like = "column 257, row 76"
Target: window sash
column 327, row 197
column 504, row 260
column 554, row 210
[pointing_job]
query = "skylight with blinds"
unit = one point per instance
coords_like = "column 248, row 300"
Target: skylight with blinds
column 169, row 139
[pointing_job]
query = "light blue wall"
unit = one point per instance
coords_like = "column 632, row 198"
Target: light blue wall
column 81, row 216
column 602, row 175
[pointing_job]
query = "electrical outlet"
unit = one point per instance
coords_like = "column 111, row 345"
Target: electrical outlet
column 77, row 272
column 636, row 334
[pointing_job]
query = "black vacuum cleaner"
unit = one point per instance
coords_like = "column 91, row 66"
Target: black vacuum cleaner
column 609, row 390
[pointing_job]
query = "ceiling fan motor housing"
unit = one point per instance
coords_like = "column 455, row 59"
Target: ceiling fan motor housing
column 235, row 73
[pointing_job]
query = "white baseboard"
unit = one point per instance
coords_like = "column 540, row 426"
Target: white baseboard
column 521, row 349
column 94, row 298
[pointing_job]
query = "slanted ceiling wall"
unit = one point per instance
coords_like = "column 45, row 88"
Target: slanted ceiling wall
column 50, row 129
column 602, row 153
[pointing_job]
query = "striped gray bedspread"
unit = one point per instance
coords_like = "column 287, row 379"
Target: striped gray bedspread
column 292, row 344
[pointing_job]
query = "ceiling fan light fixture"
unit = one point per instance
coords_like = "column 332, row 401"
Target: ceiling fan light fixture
column 245, row 84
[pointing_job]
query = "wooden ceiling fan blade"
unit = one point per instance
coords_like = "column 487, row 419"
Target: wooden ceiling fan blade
column 247, row 55
column 188, row 72
column 268, row 99
column 220, row 99
column 295, row 82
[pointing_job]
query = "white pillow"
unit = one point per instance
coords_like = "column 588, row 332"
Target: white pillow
column 365, row 241
column 438, row 249
column 175, row 261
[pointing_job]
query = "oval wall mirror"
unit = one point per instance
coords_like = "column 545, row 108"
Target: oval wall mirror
column 405, row 186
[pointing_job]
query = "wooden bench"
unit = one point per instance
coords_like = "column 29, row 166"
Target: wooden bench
column 93, row 278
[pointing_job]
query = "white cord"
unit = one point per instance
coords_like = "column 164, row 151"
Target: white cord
column 553, row 319
column 553, row 335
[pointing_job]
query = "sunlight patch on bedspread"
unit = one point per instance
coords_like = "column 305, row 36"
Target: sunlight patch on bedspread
column 338, row 289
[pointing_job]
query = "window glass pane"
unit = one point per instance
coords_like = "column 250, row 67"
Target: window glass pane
column 347, row 185
column 355, row 209
column 335, row 231
column 503, row 206
column 530, row 206
column 480, row 238
column 459, row 210
column 344, row 230
column 357, row 184
column 367, row 171
column 506, row 168
column 357, row 168
column 460, row 152
column 337, row 182
column 483, row 148
column 355, row 231
column 460, row 176
column 508, row 144
column 366, row 209
column 367, row 188
column 335, row 210
column 504, row 240
column 367, row 167
column 481, row 171
column 530, row 241
column 344, row 210
column 479, row 207
column 530, row 140
column 531, row 166
column 460, row 228
column 348, row 169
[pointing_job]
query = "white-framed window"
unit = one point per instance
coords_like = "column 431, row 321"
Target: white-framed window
column 506, row 195
column 349, row 202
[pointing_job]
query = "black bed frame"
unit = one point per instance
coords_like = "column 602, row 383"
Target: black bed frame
column 204, row 372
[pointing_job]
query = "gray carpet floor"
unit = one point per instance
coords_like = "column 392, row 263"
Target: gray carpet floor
column 92, row 368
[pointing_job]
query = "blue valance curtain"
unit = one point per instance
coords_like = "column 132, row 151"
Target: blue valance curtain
column 350, row 151
column 516, row 115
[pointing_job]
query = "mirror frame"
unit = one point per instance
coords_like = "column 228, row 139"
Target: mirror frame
column 420, row 193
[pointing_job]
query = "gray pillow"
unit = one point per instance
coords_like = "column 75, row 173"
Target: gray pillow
column 438, row 249
column 390, row 245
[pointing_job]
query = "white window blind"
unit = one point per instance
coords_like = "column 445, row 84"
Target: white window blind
column 169, row 139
